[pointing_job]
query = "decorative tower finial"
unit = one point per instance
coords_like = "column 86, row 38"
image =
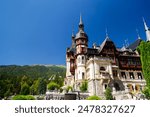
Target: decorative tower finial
column 147, row 30
column 73, row 31
column 80, row 23
column 106, row 33
column 137, row 31
column 126, row 43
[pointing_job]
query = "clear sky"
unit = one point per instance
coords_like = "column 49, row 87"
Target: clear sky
column 39, row 31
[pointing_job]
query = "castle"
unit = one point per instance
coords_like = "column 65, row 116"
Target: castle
column 104, row 65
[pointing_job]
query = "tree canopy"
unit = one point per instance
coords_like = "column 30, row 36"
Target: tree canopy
column 29, row 79
column 144, row 50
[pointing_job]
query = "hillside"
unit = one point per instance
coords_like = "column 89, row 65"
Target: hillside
column 36, row 71
column 13, row 77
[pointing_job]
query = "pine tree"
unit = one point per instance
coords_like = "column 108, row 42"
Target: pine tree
column 25, row 89
column 42, row 86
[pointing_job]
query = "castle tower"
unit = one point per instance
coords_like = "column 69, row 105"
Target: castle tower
column 70, row 63
column 81, row 41
column 147, row 30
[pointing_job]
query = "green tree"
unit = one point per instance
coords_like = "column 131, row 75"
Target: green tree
column 108, row 94
column 146, row 92
column 58, row 79
column 7, row 94
column 144, row 50
column 3, row 88
column 53, row 86
column 84, row 86
column 25, row 89
column 32, row 90
column 41, row 86
column 16, row 85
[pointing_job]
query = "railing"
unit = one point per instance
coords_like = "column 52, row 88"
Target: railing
column 136, row 80
column 61, row 96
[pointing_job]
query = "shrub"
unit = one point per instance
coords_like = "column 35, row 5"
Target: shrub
column 84, row 86
column 94, row 97
column 69, row 88
column 53, row 86
column 61, row 90
column 40, row 98
column 108, row 94
column 23, row 97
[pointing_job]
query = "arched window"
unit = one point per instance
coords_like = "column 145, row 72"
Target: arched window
column 102, row 68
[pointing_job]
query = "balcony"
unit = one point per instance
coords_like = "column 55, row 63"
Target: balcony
column 104, row 75
column 133, row 80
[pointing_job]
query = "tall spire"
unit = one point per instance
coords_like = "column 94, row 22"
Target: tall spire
column 146, row 27
column 147, row 30
column 81, row 25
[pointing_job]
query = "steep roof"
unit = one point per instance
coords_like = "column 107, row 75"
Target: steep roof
column 134, row 45
column 104, row 42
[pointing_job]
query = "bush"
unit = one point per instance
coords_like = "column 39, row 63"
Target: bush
column 23, row 97
column 53, row 86
column 108, row 94
column 40, row 98
column 69, row 88
column 61, row 90
column 84, row 86
column 94, row 97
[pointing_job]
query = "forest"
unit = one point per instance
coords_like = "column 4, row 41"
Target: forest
column 29, row 80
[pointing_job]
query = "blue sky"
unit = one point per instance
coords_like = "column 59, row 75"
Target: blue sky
column 39, row 31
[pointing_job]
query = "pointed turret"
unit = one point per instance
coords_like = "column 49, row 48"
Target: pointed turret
column 147, row 30
column 81, row 39
column 81, row 33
